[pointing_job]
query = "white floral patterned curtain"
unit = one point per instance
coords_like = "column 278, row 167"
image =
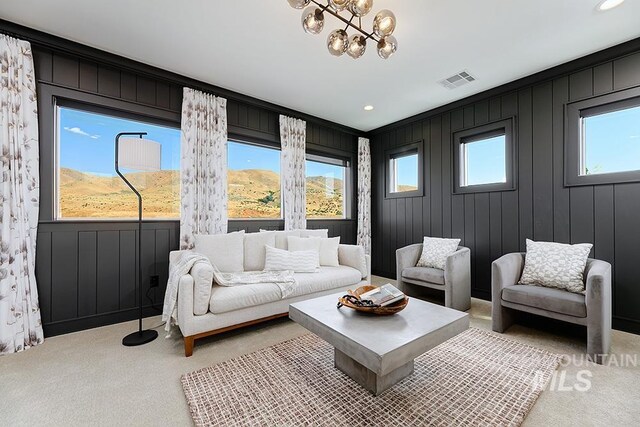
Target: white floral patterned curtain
column 20, row 324
column 203, row 166
column 364, row 195
column 293, row 136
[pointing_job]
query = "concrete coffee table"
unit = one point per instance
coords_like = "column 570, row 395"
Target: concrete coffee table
column 378, row 351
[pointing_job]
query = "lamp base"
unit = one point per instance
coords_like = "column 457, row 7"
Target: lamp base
column 139, row 337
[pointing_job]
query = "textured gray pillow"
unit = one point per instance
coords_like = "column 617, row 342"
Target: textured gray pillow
column 555, row 265
column 435, row 252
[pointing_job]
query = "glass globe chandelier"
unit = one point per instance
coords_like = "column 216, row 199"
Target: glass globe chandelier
column 338, row 41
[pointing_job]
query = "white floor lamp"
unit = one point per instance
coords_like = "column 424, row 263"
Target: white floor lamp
column 142, row 155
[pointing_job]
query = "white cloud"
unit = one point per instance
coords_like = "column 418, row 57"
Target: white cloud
column 79, row 131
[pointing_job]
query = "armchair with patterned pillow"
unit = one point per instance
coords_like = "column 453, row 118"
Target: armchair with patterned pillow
column 545, row 287
column 443, row 266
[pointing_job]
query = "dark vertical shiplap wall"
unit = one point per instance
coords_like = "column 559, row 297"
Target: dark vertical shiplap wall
column 542, row 208
column 87, row 271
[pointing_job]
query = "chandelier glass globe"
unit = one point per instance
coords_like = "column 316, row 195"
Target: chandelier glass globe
column 337, row 42
column 357, row 46
column 298, row 4
column 387, row 46
column 312, row 20
column 360, row 7
column 384, row 23
column 339, row 5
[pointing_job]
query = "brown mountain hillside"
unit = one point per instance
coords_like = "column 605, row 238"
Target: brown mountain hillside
column 252, row 194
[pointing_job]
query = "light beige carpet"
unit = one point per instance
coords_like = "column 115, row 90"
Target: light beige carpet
column 476, row 378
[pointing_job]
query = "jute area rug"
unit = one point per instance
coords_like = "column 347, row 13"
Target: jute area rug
column 476, row 378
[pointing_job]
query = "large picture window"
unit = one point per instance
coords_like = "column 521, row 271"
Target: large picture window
column 326, row 187
column 603, row 139
column 87, row 184
column 484, row 158
column 253, row 180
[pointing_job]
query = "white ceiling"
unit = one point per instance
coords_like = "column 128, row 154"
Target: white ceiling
column 257, row 47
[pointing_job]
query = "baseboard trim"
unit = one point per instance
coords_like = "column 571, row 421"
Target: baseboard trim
column 95, row 321
column 626, row 325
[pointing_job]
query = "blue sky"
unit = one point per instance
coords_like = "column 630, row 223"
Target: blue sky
column 87, row 141
column 613, row 141
column 486, row 161
column 245, row 156
column 407, row 170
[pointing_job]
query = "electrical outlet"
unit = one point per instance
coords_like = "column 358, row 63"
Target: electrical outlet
column 154, row 281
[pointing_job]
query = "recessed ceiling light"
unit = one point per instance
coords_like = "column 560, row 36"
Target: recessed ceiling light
column 609, row 4
column 368, row 107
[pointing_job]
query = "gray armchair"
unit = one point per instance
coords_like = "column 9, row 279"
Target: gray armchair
column 593, row 309
column 454, row 280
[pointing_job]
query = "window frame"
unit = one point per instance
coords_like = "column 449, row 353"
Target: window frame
column 347, row 196
column 418, row 148
column 49, row 99
column 573, row 147
column 478, row 133
column 256, row 142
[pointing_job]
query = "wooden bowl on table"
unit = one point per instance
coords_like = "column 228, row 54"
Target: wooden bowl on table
column 382, row 311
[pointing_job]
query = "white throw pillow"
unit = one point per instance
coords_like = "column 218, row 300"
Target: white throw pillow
column 254, row 249
column 299, row 261
column 435, row 252
column 353, row 256
column 555, row 265
column 225, row 251
column 323, row 233
column 281, row 237
column 304, row 244
column 329, row 251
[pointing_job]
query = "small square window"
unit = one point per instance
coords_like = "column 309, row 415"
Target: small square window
column 404, row 171
column 484, row 158
column 602, row 140
column 484, row 161
column 611, row 142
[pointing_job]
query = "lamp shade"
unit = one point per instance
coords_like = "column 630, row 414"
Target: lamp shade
column 139, row 154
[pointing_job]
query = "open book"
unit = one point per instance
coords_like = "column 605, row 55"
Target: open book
column 383, row 295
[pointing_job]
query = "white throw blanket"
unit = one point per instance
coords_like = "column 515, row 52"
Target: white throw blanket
column 182, row 263
column 284, row 279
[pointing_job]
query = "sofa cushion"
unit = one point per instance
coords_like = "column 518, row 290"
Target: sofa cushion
column 254, row 249
column 225, row 299
column 424, row 274
column 225, row 251
column 327, row 278
column 281, row 237
column 550, row 299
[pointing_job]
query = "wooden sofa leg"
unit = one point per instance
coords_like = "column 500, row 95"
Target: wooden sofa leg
column 188, row 346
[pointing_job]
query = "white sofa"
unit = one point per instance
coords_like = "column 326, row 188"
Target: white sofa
column 202, row 314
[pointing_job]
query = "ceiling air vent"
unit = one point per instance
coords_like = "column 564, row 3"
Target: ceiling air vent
column 457, row 80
